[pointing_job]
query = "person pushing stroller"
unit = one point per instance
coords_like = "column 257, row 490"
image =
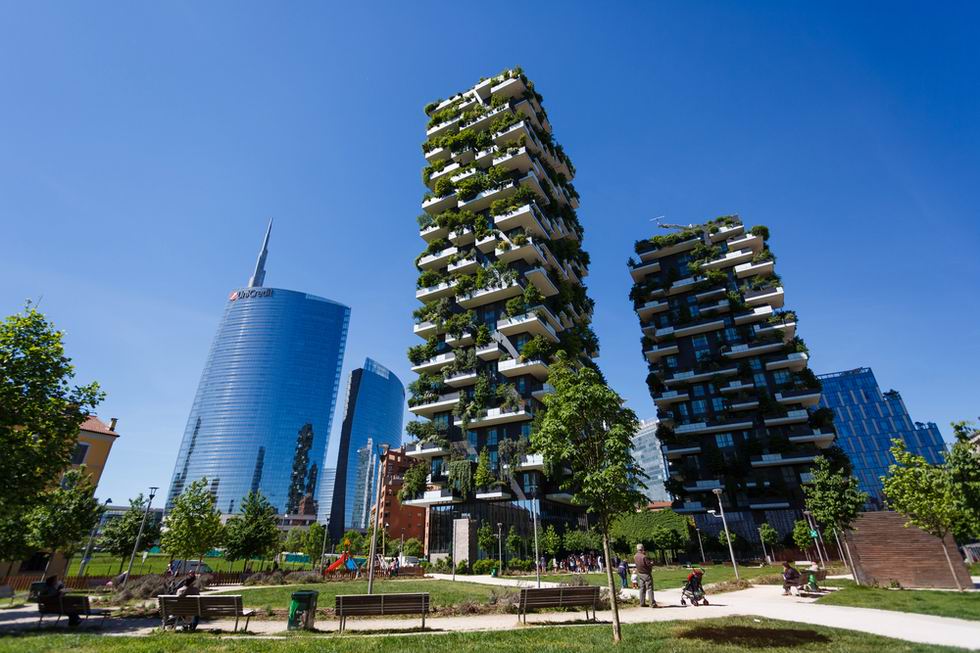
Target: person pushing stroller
column 693, row 589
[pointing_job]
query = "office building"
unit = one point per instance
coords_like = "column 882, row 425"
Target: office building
column 399, row 521
column 728, row 374
column 373, row 419
column 501, row 288
column 650, row 458
column 263, row 409
column 867, row 420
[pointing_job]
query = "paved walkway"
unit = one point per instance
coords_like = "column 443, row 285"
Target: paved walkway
column 760, row 601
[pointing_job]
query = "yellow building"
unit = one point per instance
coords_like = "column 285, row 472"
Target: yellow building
column 95, row 440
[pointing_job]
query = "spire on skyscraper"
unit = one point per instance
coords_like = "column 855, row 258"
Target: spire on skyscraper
column 258, row 277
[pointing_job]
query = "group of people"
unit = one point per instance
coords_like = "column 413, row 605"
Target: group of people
column 583, row 563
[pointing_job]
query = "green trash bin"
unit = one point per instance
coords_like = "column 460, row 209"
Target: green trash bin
column 493, row 573
column 302, row 610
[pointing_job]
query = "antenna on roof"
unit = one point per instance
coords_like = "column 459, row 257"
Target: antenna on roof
column 258, row 277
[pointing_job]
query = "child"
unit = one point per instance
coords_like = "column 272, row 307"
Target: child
column 635, row 580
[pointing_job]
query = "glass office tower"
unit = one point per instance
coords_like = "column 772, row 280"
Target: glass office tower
column 650, row 457
column 374, row 414
column 262, row 413
column 867, row 420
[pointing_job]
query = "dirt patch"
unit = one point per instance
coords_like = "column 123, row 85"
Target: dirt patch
column 754, row 636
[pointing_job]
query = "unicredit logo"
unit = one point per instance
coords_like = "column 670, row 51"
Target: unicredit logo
column 249, row 293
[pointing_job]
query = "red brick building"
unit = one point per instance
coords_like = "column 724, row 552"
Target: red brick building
column 407, row 521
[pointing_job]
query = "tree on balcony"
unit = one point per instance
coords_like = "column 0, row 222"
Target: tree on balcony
column 587, row 429
column 413, row 481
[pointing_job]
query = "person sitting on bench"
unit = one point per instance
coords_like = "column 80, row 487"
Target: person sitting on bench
column 791, row 578
column 188, row 587
column 53, row 588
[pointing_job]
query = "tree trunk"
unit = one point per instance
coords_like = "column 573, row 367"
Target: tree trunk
column 949, row 562
column 122, row 561
column 613, row 591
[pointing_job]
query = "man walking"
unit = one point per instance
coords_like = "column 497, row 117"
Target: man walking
column 644, row 575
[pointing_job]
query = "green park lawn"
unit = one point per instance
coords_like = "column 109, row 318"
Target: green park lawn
column 732, row 635
column 962, row 605
column 103, row 564
column 442, row 593
column 674, row 577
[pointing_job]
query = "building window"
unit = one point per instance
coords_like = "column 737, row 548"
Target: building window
column 471, row 438
column 724, row 440
column 699, row 407
column 441, row 421
column 526, row 430
column 781, row 377
column 759, row 380
column 492, row 438
column 671, row 362
column 698, row 390
column 718, row 405
column 78, row 456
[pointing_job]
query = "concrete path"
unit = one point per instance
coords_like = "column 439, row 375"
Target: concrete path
column 760, row 601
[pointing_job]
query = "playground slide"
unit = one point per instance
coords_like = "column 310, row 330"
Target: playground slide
column 338, row 563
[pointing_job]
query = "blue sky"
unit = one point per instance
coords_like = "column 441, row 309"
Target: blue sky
column 143, row 147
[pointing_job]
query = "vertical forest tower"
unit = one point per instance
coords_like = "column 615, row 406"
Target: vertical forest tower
column 729, row 376
column 501, row 291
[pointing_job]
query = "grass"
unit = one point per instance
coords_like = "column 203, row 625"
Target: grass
column 103, row 564
column 673, row 577
column 962, row 605
column 975, row 569
column 731, row 635
column 443, row 593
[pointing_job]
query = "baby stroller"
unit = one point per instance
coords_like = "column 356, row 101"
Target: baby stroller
column 693, row 589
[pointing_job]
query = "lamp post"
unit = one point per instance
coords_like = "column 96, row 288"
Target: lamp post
column 537, row 556
column 815, row 534
column 91, row 540
column 139, row 534
column 377, row 524
column 704, row 560
column 728, row 536
column 500, row 547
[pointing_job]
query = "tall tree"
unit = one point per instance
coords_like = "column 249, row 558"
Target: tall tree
column 413, row 547
column 193, row 526
column 801, row 535
column 769, row 537
column 67, row 512
column 119, row 535
column 834, row 498
column 549, row 540
column 254, row 533
column 313, row 542
column 487, row 540
column 927, row 496
column 514, row 542
column 40, row 411
column 963, row 461
column 587, row 429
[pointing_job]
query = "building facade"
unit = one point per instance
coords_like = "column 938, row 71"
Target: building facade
column 649, row 456
column 373, row 417
column 95, row 440
column 399, row 521
column 263, row 409
column 867, row 420
column 501, row 288
column 728, row 374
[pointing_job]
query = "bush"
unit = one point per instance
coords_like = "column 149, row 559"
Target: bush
column 298, row 577
column 482, row 567
column 266, row 578
column 144, row 587
column 520, row 565
column 463, row 567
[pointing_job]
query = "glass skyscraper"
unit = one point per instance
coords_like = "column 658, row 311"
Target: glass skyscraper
column 867, row 420
column 263, row 409
column 374, row 414
column 650, row 457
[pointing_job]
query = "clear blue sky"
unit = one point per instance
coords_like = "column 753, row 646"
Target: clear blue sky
column 143, row 146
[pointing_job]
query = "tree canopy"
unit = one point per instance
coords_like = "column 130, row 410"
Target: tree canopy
column 40, row 414
column 65, row 515
column 119, row 535
column 833, row 496
column 254, row 533
column 193, row 526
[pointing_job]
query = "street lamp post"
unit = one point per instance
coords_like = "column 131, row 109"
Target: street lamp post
column 728, row 536
column 88, row 547
column 704, row 560
column 500, row 547
column 537, row 556
column 377, row 524
column 139, row 534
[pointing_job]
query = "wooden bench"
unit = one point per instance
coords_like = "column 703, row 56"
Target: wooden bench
column 67, row 604
column 558, row 597
column 174, row 607
column 379, row 605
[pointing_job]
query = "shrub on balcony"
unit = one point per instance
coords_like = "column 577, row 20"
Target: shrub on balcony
column 537, row 348
column 760, row 230
column 444, row 186
column 424, row 220
column 822, row 418
column 428, row 279
column 655, row 384
column 510, row 399
column 459, row 323
column 418, row 354
column 805, row 379
column 484, row 478
column 519, row 240
column 413, row 481
column 797, row 346
column 459, row 476
column 483, row 337
column 763, row 256
column 515, row 306
column 782, row 317
column 465, row 284
column 735, row 301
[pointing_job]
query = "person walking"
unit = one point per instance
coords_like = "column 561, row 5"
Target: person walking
column 623, row 568
column 644, row 577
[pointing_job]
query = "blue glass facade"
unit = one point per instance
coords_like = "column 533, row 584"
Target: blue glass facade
column 262, row 413
column 649, row 455
column 373, row 417
column 867, row 419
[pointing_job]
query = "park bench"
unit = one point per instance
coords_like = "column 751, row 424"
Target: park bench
column 379, row 605
column 7, row 592
column 204, row 607
column 558, row 597
column 66, row 604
